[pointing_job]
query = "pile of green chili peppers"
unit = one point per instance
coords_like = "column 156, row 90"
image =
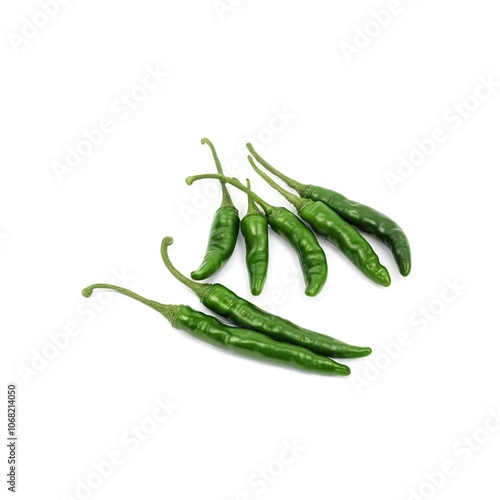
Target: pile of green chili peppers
column 257, row 333
column 320, row 211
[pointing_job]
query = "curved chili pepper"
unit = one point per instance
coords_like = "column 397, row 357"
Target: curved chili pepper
column 336, row 230
column 223, row 233
column 254, row 231
column 238, row 340
column 239, row 311
column 365, row 218
column 312, row 258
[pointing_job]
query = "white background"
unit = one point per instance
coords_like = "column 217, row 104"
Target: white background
column 373, row 435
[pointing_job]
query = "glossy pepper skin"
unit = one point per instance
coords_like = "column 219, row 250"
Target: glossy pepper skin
column 336, row 230
column 311, row 256
column 238, row 340
column 365, row 218
column 368, row 220
column 239, row 311
column 256, row 236
column 223, row 232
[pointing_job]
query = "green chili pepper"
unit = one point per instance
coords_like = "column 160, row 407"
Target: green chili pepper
column 311, row 256
column 336, row 230
column 254, row 231
column 361, row 216
column 239, row 311
column 223, row 233
column 238, row 340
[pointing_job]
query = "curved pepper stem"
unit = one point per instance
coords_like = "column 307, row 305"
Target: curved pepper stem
column 296, row 201
column 169, row 311
column 226, row 197
column 252, row 207
column 298, row 186
column 237, row 184
column 200, row 289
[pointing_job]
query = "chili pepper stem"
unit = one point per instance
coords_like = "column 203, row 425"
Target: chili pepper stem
column 169, row 311
column 297, row 202
column 200, row 289
column 252, row 207
column 226, row 197
column 237, row 184
column 298, row 186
